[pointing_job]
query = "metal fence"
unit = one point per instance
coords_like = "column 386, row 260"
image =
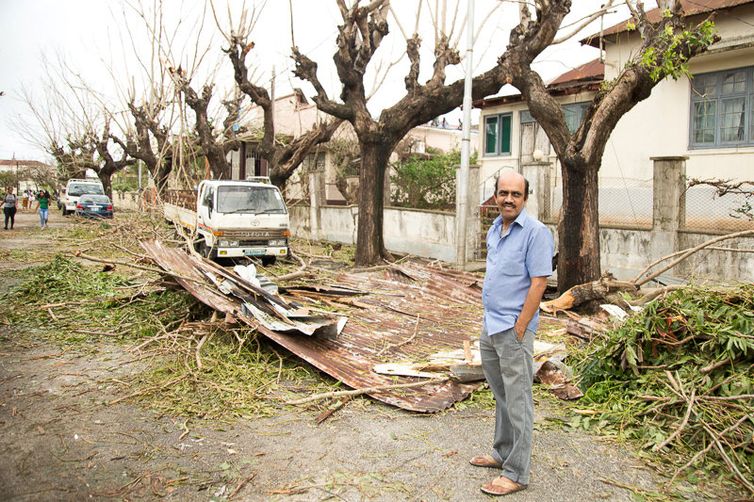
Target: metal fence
column 629, row 202
column 709, row 212
column 624, row 202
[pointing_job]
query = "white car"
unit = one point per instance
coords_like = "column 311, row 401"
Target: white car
column 75, row 188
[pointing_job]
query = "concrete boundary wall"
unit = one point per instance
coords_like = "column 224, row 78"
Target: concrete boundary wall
column 624, row 251
column 430, row 234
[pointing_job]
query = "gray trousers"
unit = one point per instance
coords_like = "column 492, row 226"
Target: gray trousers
column 508, row 368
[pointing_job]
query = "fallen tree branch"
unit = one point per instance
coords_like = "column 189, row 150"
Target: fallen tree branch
column 709, row 446
column 638, row 281
column 298, row 273
column 359, row 392
column 583, row 293
column 654, row 293
column 714, row 366
column 680, row 428
column 139, row 267
column 749, row 486
column 199, row 345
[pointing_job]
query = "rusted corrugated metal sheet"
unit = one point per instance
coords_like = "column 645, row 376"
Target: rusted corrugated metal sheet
column 436, row 310
column 592, row 71
column 442, row 308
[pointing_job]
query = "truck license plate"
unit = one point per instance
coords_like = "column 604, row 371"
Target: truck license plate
column 253, row 252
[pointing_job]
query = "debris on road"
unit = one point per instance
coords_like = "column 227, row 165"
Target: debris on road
column 679, row 376
column 410, row 313
column 238, row 297
column 465, row 365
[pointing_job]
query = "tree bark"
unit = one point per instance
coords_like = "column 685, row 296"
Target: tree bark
column 578, row 225
column 105, row 178
column 138, row 143
column 370, row 245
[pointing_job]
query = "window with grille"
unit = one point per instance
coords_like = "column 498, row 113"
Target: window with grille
column 497, row 134
column 573, row 113
column 722, row 112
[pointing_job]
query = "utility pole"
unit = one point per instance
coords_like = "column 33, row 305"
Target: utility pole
column 462, row 190
column 18, row 181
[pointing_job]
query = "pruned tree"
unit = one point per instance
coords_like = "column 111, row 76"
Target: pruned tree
column 666, row 47
column 362, row 30
column 214, row 144
column 107, row 164
column 74, row 126
column 148, row 141
column 177, row 117
column 73, row 158
column 282, row 159
column 360, row 34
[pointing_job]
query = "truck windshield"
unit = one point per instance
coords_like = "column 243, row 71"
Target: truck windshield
column 250, row 199
column 77, row 189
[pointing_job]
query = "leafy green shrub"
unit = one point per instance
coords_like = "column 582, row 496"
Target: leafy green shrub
column 426, row 183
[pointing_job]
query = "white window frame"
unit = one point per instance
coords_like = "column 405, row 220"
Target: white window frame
column 498, row 135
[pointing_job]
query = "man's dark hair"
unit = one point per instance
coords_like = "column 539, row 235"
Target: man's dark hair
column 526, row 187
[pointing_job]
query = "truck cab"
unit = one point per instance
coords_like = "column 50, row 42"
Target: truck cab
column 242, row 218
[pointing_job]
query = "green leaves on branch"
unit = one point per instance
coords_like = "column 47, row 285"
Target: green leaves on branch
column 679, row 378
column 669, row 55
column 426, row 183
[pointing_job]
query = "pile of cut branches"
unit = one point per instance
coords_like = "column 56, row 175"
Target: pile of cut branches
column 679, row 377
column 70, row 302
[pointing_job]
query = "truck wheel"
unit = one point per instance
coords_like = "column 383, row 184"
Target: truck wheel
column 268, row 260
column 65, row 212
column 204, row 249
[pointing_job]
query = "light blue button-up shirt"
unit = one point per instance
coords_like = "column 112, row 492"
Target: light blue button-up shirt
column 523, row 252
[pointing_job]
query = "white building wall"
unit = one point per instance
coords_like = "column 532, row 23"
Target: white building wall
column 657, row 126
column 660, row 125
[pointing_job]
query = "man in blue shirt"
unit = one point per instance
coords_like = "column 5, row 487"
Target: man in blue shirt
column 519, row 260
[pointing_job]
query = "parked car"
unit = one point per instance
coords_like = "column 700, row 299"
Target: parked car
column 94, row 206
column 75, row 188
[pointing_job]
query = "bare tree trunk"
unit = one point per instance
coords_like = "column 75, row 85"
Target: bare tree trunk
column 161, row 175
column 578, row 227
column 369, row 242
column 105, row 178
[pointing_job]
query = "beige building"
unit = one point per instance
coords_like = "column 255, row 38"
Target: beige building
column 709, row 120
column 26, row 174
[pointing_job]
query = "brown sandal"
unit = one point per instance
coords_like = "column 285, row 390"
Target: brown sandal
column 485, row 461
column 502, row 486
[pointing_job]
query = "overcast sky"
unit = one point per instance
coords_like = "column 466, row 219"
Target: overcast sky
column 93, row 37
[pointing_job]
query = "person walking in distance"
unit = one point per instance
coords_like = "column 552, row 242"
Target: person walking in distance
column 519, row 260
column 9, row 207
column 43, row 205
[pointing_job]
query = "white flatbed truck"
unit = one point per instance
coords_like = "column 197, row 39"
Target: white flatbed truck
column 231, row 219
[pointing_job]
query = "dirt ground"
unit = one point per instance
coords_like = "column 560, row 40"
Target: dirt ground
column 63, row 438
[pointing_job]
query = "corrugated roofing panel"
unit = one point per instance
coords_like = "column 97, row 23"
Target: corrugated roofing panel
column 425, row 311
